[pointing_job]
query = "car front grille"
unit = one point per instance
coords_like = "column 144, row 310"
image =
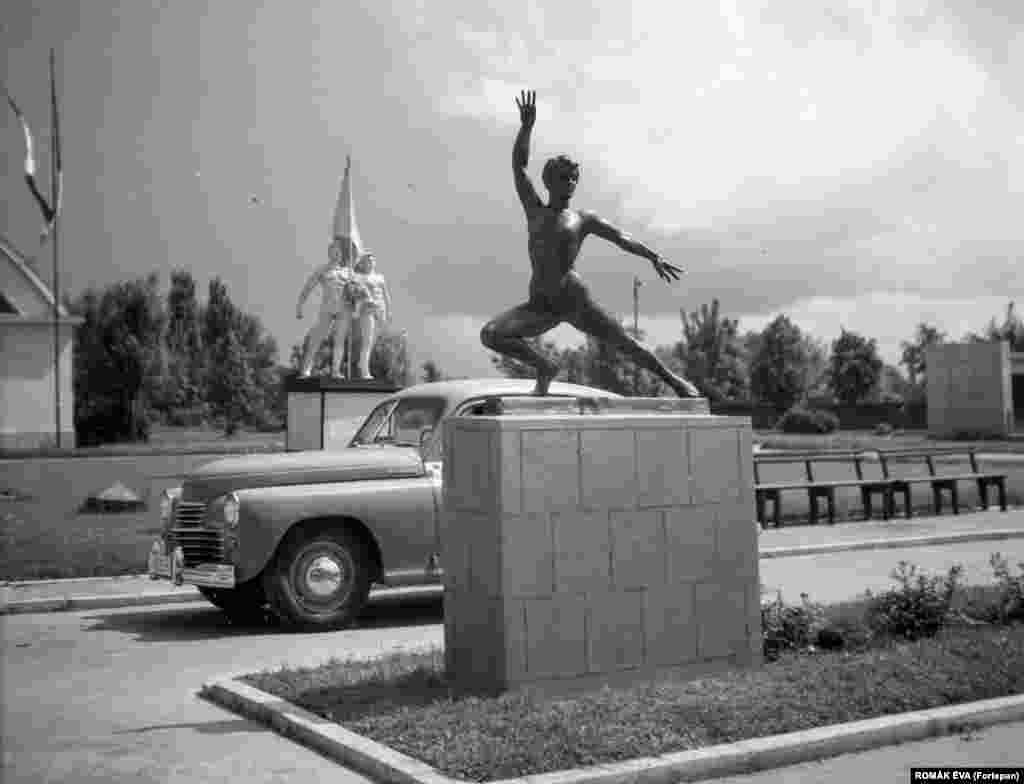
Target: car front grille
column 200, row 545
column 189, row 513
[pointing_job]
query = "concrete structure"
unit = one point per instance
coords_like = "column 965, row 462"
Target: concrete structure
column 597, row 548
column 971, row 389
column 324, row 413
column 27, row 397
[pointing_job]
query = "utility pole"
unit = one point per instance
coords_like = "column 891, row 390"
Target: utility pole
column 637, row 283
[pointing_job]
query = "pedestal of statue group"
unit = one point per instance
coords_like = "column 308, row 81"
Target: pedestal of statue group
column 598, row 548
column 325, row 412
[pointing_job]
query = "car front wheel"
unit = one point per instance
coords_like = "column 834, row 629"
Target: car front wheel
column 319, row 582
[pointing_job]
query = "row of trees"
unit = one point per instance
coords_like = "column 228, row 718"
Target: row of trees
column 780, row 365
column 140, row 358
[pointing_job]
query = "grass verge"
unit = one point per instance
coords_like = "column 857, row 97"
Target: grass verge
column 403, row 702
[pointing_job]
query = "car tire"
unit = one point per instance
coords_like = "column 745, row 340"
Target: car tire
column 243, row 603
column 319, row 582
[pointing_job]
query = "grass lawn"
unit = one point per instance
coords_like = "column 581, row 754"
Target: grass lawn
column 404, row 701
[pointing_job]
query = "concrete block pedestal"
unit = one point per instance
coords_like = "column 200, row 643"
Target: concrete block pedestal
column 589, row 549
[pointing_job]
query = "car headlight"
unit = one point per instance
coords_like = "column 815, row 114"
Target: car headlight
column 230, row 509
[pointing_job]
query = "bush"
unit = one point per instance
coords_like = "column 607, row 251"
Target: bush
column 803, row 420
column 790, row 627
column 918, row 608
column 1008, row 606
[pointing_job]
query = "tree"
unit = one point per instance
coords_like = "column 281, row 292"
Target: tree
column 815, row 370
column 389, row 359
column 183, row 329
column 912, row 353
column 231, row 335
column 711, row 352
column 259, row 351
column 230, row 383
column 893, row 385
column 778, row 367
column 1011, row 330
column 854, row 367
column 179, row 385
column 116, row 359
column 220, row 316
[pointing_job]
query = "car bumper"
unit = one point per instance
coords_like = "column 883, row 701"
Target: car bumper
column 171, row 566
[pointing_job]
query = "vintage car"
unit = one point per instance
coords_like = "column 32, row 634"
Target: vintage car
column 308, row 533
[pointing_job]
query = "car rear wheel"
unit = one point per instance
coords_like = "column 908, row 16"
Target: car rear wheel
column 243, row 603
column 319, row 582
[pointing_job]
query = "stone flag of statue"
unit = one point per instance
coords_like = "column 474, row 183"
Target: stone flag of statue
column 344, row 231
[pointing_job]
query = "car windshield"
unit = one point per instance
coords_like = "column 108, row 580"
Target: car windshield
column 400, row 422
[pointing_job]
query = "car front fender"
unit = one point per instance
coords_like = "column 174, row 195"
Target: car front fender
column 400, row 515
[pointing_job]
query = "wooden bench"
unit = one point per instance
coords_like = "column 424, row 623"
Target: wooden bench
column 818, row 489
column 940, row 481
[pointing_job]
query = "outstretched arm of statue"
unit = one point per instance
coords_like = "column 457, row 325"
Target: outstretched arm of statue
column 306, row 289
column 592, row 224
column 527, row 103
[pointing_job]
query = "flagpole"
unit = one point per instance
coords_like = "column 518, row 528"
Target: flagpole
column 55, row 195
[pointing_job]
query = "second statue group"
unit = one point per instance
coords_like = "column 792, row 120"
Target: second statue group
column 352, row 293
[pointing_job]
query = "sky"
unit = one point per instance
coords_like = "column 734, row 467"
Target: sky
column 852, row 164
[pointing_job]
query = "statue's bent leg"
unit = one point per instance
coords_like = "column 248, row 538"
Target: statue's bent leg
column 314, row 340
column 342, row 326
column 592, row 319
column 367, row 336
column 507, row 332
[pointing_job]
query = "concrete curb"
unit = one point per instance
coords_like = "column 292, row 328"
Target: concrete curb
column 890, row 544
column 384, row 764
column 102, row 602
column 182, row 596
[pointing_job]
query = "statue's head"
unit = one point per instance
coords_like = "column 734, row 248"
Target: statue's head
column 366, row 263
column 560, row 175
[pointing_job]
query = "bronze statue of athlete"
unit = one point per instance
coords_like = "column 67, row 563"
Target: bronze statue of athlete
column 557, row 293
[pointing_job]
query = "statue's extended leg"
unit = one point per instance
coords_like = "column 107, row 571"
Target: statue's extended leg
column 342, row 323
column 506, row 335
column 593, row 320
column 314, row 340
column 367, row 336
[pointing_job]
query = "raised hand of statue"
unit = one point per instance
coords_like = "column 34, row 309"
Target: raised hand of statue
column 666, row 271
column 527, row 103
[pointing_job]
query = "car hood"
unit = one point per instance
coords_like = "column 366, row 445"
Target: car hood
column 300, row 468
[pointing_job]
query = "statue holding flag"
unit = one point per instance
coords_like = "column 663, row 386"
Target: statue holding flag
column 342, row 292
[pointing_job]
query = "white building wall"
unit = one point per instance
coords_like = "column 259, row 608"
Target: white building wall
column 27, row 395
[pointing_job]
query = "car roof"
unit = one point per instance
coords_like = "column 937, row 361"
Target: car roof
column 457, row 390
